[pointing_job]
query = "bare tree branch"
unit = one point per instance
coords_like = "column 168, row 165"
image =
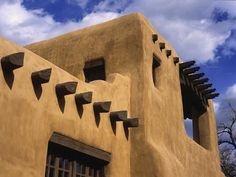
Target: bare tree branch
column 227, row 164
column 227, row 142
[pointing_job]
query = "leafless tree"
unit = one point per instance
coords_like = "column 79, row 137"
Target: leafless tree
column 227, row 144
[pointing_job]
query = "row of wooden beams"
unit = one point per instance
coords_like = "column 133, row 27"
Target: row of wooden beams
column 162, row 46
column 16, row 60
column 195, row 79
column 99, row 107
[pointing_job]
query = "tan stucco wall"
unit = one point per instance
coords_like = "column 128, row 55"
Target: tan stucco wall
column 27, row 123
column 159, row 147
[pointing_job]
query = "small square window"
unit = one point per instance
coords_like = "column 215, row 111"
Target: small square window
column 95, row 70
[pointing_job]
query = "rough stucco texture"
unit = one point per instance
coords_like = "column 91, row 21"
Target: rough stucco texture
column 159, row 147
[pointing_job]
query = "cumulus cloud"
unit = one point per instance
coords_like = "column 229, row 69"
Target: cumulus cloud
column 95, row 18
column 231, row 92
column 187, row 25
column 26, row 26
column 192, row 40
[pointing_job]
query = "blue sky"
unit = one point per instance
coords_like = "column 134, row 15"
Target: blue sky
column 204, row 30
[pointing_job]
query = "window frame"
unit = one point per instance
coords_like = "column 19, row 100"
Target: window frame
column 91, row 161
column 95, row 64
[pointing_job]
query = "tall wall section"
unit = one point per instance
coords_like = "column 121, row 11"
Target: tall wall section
column 27, row 120
column 160, row 146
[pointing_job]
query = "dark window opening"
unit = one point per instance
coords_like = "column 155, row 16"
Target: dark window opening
column 156, row 62
column 65, row 161
column 192, row 109
column 95, row 70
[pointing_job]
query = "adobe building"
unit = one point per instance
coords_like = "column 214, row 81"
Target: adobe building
column 105, row 101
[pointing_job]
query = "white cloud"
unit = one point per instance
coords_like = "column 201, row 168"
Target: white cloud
column 192, row 39
column 231, row 92
column 186, row 25
column 26, row 26
column 98, row 17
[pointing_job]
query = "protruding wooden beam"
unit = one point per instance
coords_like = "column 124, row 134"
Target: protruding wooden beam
column 191, row 70
column 77, row 146
column 133, row 122
column 154, row 38
column 162, row 45
column 208, row 91
column 83, row 98
column 200, row 81
column 66, row 88
column 211, row 96
column 176, row 60
column 102, row 106
column 203, row 86
column 13, row 61
column 195, row 76
column 42, row 76
column 168, row 53
column 186, row 64
column 118, row 116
